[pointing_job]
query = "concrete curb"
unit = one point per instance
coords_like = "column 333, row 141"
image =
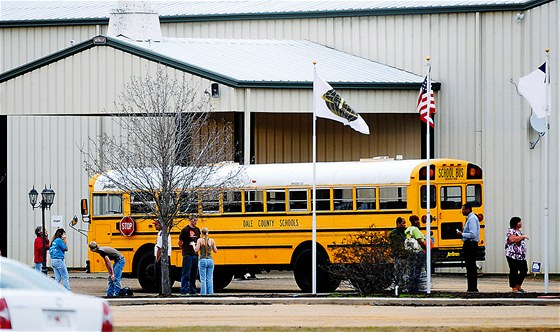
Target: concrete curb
column 337, row 301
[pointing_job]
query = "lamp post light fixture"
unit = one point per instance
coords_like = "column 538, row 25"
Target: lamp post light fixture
column 47, row 198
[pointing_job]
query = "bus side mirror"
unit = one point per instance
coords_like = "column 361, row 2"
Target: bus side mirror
column 84, row 210
column 84, row 207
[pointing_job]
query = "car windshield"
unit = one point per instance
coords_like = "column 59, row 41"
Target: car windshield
column 14, row 275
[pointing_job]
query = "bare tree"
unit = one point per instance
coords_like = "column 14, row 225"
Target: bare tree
column 170, row 146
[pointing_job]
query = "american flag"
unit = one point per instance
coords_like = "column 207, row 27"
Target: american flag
column 426, row 101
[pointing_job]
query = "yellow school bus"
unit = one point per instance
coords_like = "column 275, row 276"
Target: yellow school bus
column 266, row 224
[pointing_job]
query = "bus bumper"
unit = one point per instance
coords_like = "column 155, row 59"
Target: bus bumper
column 453, row 257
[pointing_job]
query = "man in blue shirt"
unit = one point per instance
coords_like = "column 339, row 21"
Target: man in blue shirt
column 470, row 236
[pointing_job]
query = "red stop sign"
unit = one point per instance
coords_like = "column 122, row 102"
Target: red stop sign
column 127, row 226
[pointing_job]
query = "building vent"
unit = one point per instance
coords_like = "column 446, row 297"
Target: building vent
column 135, row 20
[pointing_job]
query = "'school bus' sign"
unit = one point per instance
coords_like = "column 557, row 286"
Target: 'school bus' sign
column 450, row 173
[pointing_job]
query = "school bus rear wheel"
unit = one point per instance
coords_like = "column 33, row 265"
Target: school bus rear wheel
column 326, row 282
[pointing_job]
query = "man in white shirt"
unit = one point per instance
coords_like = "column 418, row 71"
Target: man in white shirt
column 157, row 253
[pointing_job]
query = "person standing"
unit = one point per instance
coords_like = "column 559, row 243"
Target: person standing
column 115, row 271
column 400, row 261
column 187, row 239
column 418, row 258
column 158, row 249
column 470, row 237
column 38, row 244
column 57, row 250
column 515, row 254
column 206, row 246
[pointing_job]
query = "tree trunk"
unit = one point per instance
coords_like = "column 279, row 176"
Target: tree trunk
column 165, row 278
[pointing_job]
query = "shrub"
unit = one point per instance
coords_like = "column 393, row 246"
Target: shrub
column 367, row 260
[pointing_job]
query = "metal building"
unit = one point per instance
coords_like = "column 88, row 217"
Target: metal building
column 477, row 48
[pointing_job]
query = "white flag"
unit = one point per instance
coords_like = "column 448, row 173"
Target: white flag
column 534, row 88
column 330, row 105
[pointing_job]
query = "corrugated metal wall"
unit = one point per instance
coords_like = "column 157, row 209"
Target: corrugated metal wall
column 481, row 118
column 22, row 45
column 474, row 56
column 43, row 150
column 287, row 138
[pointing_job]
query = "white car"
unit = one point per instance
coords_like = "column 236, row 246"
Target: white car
column 31, row 301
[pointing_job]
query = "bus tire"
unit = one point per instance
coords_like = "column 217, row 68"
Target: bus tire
column 145, row 272
column 222, row 278
column 326, row 282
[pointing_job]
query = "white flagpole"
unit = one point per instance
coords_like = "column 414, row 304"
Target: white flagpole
column 428, row 189
column 314, row 215
column 545, row 177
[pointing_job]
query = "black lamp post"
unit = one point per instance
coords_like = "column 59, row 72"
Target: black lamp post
column 47, row 198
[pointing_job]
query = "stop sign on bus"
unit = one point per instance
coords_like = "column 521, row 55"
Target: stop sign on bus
column 127, row 226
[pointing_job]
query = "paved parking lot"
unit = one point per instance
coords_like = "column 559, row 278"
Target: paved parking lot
column 282, row 282
column 248, row 304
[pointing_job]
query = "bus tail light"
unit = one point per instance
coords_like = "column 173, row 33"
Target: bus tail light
column 425, row 218
column 432, row 172
column 474, row 172
column 480, row 217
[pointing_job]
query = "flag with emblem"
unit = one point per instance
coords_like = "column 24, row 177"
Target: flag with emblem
column 330, row 105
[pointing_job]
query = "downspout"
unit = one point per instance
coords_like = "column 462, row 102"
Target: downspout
column 247, row 128
column 100, row 120
column 100, row 142
column 478, row 89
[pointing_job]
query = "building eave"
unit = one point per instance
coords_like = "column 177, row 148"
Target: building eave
column 418, row 10
column 104, row 41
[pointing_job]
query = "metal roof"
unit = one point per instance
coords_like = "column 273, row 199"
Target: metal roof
column 251, row 63
column 89, row 12
column 274, row 60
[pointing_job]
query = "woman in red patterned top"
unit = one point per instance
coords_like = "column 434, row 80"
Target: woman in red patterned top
column 38, row 247
column 515, row 254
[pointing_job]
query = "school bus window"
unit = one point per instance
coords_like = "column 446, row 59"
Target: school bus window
column 365, row 198
column 232, row 201
column 450, row 197
column 474, row 194
column 210, row 201
column 432, row 197
column 343, row 199
column 323, row 200
column 142, row 202
column 392, row 198
column 276, row 200
column 254, row 201
column 107, row 204
column 188, row 202
column 297, row 199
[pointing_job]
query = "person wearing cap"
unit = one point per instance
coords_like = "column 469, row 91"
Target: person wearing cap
column 157, row 253
column 187, row 240
column 115, row 270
